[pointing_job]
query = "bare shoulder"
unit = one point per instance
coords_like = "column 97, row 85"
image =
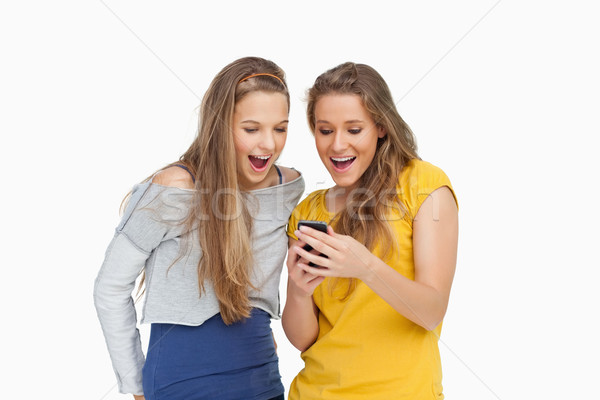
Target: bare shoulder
column 174, row 177
column 440, row 205
column 289, row 174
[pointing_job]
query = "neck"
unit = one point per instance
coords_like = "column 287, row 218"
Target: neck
column 271, row 179
column 336, row 198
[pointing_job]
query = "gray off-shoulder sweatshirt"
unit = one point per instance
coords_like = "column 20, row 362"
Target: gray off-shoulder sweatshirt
column 150, row 237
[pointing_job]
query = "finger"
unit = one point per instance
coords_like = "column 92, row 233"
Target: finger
column 323, row 237
column 294, row 272
column 293, row 248
column 322, row 272
column 315, row 282
column 299, row 243
column 309, row 278
column 315, row 258
column 317, row 244
column 293, row 256
column 299, row 275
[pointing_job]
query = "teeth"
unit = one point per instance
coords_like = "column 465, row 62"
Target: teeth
column 262, row 157
column 342, row 159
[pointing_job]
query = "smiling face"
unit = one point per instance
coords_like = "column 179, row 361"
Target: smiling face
column 346, row 137
column 260, row 122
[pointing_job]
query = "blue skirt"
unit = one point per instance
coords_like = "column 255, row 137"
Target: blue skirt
column 213, row 361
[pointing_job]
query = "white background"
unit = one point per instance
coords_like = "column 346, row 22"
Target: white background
column 504, row 96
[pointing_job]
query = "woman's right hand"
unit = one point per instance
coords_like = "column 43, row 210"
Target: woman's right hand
column 138, row 397
column 302, row 283
column 300, row 314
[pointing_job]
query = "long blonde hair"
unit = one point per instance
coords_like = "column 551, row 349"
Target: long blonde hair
column 218, row 208
column 225, row 233
column 367, row 222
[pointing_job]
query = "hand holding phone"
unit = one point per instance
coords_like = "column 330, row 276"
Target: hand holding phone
column 318, row 225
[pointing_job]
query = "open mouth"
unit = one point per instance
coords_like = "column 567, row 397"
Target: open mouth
column 342, row 163
column 259, row 163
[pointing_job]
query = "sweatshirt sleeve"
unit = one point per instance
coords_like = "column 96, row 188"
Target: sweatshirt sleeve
column 114, row 304
column 146, row 222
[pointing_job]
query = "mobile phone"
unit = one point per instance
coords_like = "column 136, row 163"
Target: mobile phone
column 318, row 225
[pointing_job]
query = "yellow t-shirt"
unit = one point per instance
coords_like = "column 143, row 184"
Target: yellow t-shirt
column 365, row 349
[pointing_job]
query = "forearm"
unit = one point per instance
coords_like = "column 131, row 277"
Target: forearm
column 418, row 302
column 435, row 239
column 116, row 312
column 299, row 320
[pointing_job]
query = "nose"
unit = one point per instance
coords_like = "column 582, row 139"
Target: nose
column 267, row 143
column 339, row 144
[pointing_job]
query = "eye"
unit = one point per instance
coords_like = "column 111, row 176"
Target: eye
column 325, row 131
column 281, row 130
column 355, row 131
column 250, row 130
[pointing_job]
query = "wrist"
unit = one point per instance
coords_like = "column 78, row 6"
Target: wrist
column 371, row 269
column 296, row 292
column 299, row 296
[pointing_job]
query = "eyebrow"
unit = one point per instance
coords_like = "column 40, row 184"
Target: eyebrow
column 352, row 121
column 251, row 121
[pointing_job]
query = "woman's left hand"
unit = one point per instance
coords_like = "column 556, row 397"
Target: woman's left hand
column 346, row 257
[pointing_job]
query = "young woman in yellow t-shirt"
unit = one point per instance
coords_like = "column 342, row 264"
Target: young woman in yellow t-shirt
column 367, row 317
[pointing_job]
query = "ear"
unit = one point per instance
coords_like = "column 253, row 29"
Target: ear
column 381, row 132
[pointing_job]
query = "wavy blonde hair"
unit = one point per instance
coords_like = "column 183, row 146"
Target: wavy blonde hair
column 367, row 221
column 225, row 227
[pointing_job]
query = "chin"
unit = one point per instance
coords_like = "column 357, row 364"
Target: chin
column 345, row 182
column 255, row 179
